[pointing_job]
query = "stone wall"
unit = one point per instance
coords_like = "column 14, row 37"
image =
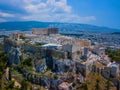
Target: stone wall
column 44, row 31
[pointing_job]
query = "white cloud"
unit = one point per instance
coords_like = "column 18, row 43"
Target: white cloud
column 52, row 10
column 46, row 10
column 4, row 14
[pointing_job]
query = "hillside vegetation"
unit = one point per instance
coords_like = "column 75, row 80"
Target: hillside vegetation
column 114, row 55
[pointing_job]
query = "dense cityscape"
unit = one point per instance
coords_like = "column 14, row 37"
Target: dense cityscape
column 48, row 60
column 59, row 44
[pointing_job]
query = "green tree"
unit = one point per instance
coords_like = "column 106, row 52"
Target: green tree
column 10, row 74
column 27, row 62
column 10, row 85
column 55, row 76
column 97, row 86
column 23, row 85
column 84, row 86
column 108, row 84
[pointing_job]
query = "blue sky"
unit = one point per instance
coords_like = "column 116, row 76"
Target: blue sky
column 97, row 12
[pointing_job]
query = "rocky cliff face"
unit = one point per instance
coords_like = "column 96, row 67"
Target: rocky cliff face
column 13, row 51
column 8, row 44
column 30, row 48
column 14, row 55
column 61, row 66
column 40, row 65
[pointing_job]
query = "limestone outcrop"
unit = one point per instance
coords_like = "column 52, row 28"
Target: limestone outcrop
column 14, row 56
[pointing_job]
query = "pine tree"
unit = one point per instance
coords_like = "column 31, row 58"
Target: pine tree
column 23, row 85
column 97, row 87
column 108, row 84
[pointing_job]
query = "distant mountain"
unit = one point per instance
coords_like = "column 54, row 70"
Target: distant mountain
column 64, row 27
